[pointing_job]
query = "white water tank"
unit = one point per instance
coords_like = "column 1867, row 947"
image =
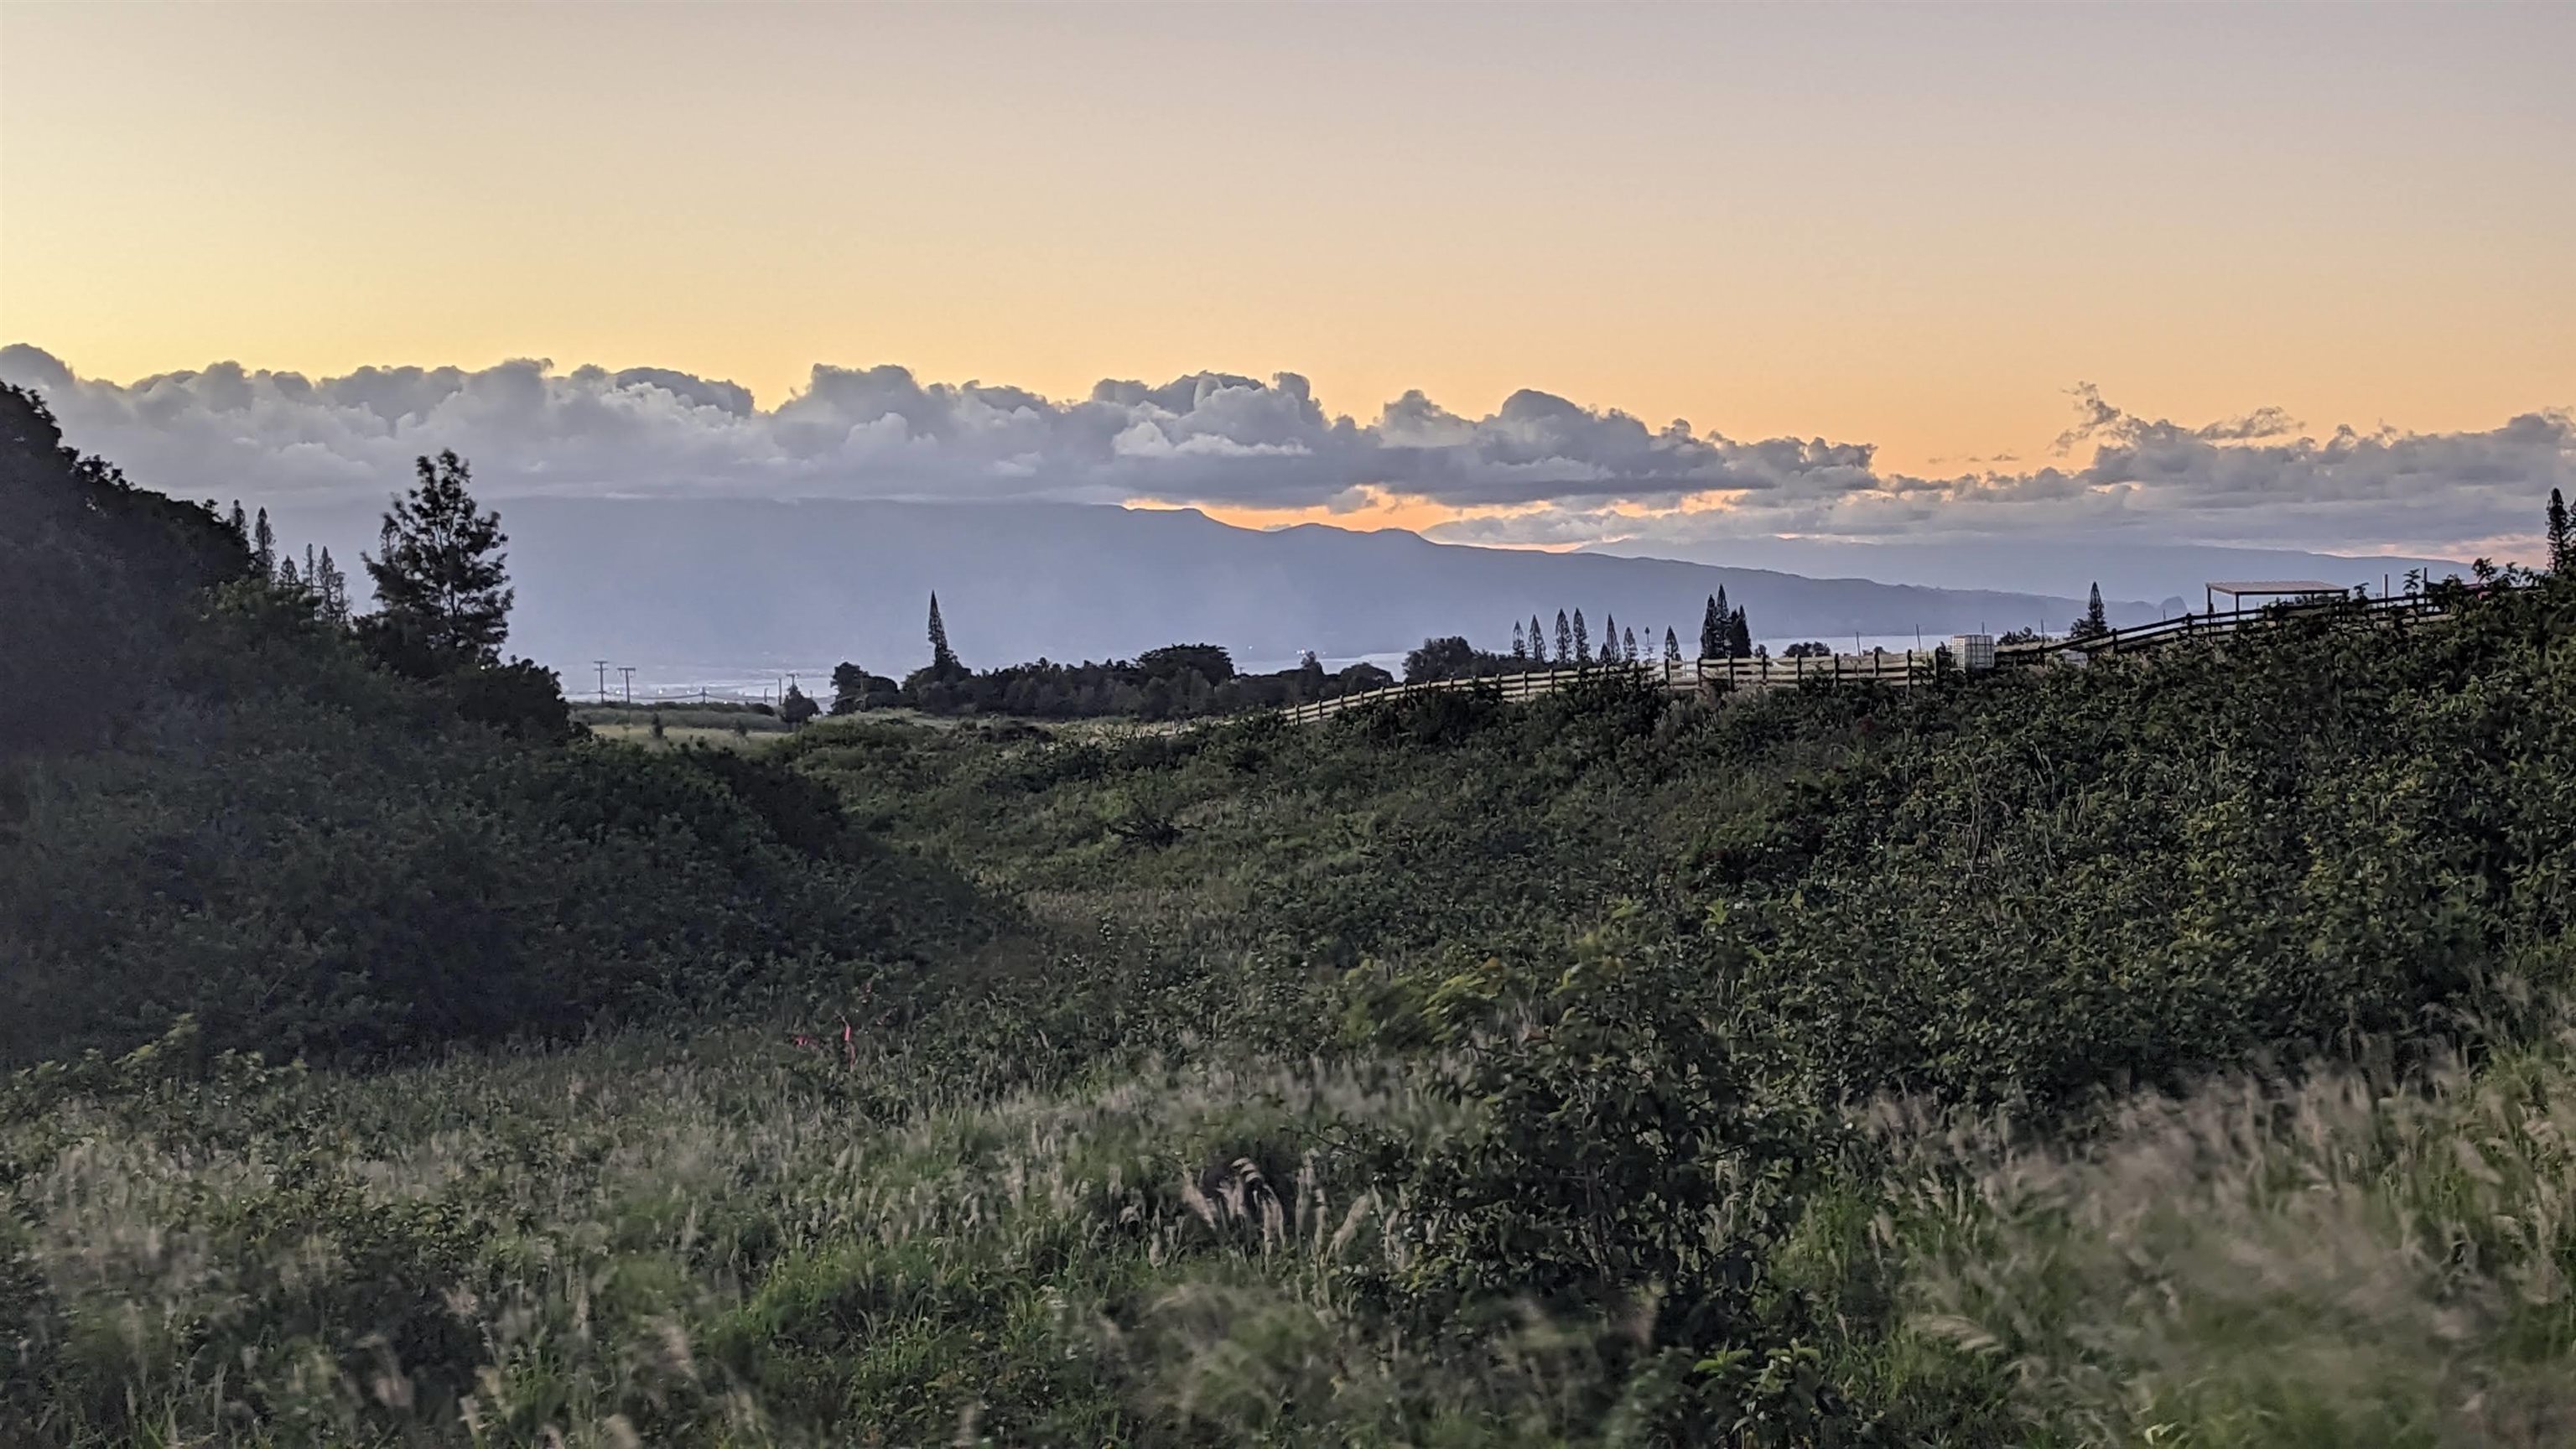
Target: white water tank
column 1973, row 651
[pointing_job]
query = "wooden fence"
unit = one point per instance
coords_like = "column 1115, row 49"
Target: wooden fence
column 1897, row 668
column 1894, row 668
column 2130, row 640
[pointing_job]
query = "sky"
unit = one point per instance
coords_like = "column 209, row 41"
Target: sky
column 1541, row 275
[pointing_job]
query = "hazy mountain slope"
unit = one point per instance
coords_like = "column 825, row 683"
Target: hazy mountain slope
column 745, row 581
column 2059, row 566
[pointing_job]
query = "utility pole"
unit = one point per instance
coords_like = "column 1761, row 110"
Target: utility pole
column 603, row 679
column 629, row 671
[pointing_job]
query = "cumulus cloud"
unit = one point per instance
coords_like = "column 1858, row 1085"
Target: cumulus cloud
column 2247, row 480
column 1539, row 469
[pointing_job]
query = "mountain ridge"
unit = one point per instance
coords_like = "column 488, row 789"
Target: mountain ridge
column 806, row 580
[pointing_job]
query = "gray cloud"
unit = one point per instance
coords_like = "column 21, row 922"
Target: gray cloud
column 1573, row 473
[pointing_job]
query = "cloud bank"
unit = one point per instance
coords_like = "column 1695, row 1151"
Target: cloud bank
column 1540, row 469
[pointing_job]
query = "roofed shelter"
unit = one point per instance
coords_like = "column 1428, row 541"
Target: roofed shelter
column 2241, row 590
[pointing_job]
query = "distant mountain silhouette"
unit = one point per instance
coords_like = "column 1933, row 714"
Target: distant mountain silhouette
column 799, row 583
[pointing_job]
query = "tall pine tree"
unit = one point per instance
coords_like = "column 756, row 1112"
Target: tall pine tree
column 2562, row 542
column 1712, row 631
column 943, row 660
column 442, row 591
column 1564, row 639
column 1520, row 642
column 332, row 587
column 1538, row 642
column 1739, row 635
column 1672, row 647
column 1628, row 645
column 2095, row 623
column 263, row 546
column 1582, row 641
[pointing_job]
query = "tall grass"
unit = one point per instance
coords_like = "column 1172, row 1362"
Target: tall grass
column 2358, row 1257
column 736, row 1241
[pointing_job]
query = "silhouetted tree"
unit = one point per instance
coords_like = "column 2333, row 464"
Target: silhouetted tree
column 263, row 545
column 1628, row 645
column 849, row 688
column 331, row 589
column 1672, row 647
column 1609, row 639
column 239, row 523
column 1449, row 658
column 1310, row 677
column 943, row 660
column 1538, row 642
column 1739, row 635
column 1520, row 641
column 1582, row 641
column 2562, row 542
column 797, row 708
column 2095, row 623
column 1564, row 639
column 442, row 591
column 1712, row 630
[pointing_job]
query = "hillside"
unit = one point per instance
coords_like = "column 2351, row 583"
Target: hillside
column 731, row 582
column 213, row 803
column 2161, row 1050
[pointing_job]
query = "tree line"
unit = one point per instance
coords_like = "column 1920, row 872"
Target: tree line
column 1176, row 681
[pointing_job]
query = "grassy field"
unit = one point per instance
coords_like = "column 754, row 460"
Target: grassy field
column 727, row 1238
column 2154, row 1053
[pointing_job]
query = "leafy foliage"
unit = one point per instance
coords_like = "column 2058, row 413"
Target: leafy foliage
column 311, row 856
column 440, row 579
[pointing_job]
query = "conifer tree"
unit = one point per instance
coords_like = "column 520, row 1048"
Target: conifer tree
column 943, row 660
column 1712, row 631
column 1564, row 639
column 2095, row 623
column 1582, row 641
column 1538, row 642
column 1672, row 647
column 239, row 523
column 1739, row 636
column 1520, row 642
column 287, row 576
column 263, row 546
column 2562, row 542
column 332, row 587
column 442, row 590
column 1609, row 638
column 1628, row 645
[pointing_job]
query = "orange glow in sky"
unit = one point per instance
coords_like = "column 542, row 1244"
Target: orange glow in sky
column 1915, row 227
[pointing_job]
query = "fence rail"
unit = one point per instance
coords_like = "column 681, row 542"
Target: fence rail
column 2203, row 626
column 1892, row 667
column 1895, row 668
